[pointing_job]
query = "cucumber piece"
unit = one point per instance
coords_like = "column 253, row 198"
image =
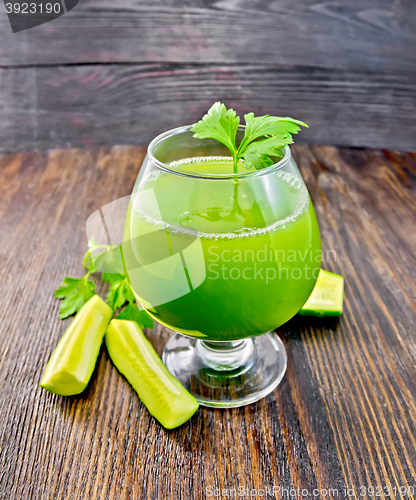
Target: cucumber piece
column 70, row 367
column 165, row 398
column 327, row 296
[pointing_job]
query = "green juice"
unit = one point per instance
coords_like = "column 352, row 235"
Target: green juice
column 221, row 259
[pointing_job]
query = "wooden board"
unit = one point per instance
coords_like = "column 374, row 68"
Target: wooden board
column 369, row 35
column 108, row 74
column 344, row 416
column 48, row 107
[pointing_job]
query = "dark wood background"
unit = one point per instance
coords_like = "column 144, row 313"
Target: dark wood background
column 121, row 72
column 344, row 415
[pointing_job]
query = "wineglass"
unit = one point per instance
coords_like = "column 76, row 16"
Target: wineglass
column 222, row 259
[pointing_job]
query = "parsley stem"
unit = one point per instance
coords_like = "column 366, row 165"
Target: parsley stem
column 235, row 164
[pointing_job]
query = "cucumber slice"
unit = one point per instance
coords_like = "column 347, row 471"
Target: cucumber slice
column 165, row 398
column 70, row 367
column 327, row 296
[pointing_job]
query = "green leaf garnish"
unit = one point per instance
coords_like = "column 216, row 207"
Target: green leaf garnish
column 219, row 124
column 108, row 259
column 257, row 154
column 75, row 292
column 119, row 291
column 264, row 136
column 93, row 245
column 132, row 313
column 112, row 277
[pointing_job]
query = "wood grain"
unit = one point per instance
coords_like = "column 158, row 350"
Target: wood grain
column 367, row 36
column 49, row 107
column 108, row 73
column 345, row 414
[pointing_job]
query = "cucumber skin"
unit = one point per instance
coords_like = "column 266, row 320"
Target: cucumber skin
column 134, row 356
column 335, row 280
column 319, row 314
column 80, row 342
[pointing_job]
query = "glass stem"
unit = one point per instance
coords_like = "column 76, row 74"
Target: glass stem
column 225, row 356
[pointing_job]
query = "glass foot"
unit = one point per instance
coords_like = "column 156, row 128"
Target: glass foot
column 227, row 374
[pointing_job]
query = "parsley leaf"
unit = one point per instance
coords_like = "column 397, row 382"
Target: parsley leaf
column 264, row 136
column 75, row 292
column 132, row 313
column 119, row 291
column 257, row 154
column 93, row 245
column 220, row 124
column 261, row 126
column 108, row 259
column 112, row 277
column 257, row 160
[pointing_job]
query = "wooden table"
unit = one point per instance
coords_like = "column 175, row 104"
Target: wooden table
column 345, row 414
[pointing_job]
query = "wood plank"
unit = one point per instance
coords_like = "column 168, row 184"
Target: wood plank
column 347, row 68
column 367, row 394
column 370, row 35
column 51, row 107
column 345, row 414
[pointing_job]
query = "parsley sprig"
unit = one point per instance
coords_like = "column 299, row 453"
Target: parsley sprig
column 75, row 292
column 264, row 136
column 119, row 291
